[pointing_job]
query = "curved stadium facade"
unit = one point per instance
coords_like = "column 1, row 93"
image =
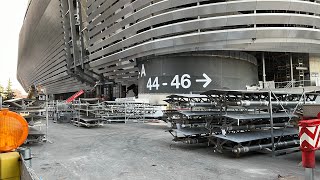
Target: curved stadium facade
column 167, row 46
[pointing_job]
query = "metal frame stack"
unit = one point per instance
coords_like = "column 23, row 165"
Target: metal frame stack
column 189, row 117
column 60, row 112
column 126, row 110
column 239, row 121
column 35, row 113
column 91, row 112
column 88, row 112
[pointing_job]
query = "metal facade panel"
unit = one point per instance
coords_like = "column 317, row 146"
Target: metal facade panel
column 141, row 28
column 42, row 57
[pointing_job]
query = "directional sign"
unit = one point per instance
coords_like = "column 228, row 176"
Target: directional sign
column 192, row 74
column 207, row 80
column 178, row 82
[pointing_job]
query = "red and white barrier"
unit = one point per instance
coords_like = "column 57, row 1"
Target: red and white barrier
column 309, row 133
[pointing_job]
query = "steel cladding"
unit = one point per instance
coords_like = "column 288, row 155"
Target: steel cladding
column 42, row 56
column 121, row 32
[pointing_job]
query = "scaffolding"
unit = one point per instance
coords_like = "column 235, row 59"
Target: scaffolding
column 34, row 111
column 87, row 112
column 291, row 69
column 130, row 110
column 239, row 121
column 93, row 112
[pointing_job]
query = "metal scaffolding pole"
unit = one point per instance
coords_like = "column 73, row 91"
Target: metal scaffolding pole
column 264, row 69
column 47, row 116
column 291, row 70
column 309, row 173
column 271, row 123
column 47, row 119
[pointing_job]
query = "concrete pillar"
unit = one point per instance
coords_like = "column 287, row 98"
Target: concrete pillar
column 98, row 91
column 264, row 70
column 314, row 67
column 291, row 70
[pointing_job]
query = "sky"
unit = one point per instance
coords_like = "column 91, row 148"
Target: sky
column 11, row 18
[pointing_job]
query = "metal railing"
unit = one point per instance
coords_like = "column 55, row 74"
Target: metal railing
column 288, row 84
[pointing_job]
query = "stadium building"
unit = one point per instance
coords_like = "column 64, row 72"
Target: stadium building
column 119, row 48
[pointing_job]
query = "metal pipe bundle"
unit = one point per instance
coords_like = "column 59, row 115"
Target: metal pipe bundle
column 203, row 104
column 264, row 103
column 245, row 149
column 248, row 127
column 195, row 141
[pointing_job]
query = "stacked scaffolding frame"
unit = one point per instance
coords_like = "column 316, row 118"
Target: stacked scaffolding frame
column 239, row 121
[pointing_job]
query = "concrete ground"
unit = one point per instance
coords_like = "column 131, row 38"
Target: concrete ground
column 145, row 151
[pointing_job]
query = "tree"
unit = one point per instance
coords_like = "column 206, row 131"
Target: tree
column 18, row 94
column 9, row 93
column 2, row 91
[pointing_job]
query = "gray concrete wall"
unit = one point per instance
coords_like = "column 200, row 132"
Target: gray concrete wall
column 314, row 63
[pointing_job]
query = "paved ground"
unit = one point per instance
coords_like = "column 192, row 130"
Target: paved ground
column 145, row 151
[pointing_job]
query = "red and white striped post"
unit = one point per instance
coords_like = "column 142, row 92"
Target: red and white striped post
column 309, row 143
